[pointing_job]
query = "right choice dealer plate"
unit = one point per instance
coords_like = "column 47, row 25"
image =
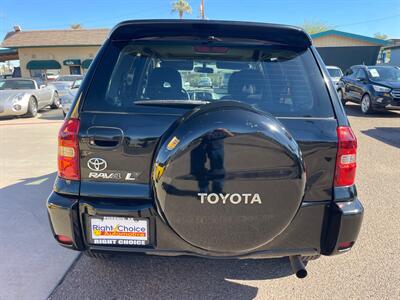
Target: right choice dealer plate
column 119, row 231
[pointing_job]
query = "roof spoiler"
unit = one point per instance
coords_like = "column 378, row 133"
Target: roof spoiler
column 283, row 34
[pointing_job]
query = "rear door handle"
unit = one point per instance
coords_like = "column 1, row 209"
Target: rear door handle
column 105, row 137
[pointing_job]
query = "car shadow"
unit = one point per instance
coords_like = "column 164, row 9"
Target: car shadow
column 388, row 135
column 43, row 114
column 7, row 118
column 354, row 110
column 121, row 276
column 51, row 114
column 28, row 252
column 154, row 277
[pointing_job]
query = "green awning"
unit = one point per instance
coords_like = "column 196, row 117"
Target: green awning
column 43, row 65
column 72, row 62
column 86, row 63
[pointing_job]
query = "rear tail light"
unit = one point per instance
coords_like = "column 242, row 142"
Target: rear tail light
column 68, row 150
column 343, row 246
column 63, row 239
column 346, row 157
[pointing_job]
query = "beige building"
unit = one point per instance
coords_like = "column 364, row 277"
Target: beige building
column 344, row 49
column 54, row 52
column 70, row 51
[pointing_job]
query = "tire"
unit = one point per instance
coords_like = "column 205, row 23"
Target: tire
column 32, row 108
column 97, row 255
column 64, row 114
column 340, row 95
column 205, row 145
column 56, row 101
column 366, row 105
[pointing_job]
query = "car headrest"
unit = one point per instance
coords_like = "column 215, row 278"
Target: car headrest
column 241, row 79
column 165, row 78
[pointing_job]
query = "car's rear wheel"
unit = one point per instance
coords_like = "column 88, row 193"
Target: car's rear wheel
column 97, row 255
column 32, row 108
column 56, row 101
column 366, row 105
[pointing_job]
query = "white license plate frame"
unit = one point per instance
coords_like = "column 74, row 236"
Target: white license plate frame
column 119, row 231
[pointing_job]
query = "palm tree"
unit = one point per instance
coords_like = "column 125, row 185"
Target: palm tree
column 181, row 6
column 76, row 26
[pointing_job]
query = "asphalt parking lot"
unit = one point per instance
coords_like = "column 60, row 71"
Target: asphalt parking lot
column 34, row 267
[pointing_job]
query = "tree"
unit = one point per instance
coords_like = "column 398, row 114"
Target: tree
column 312, row 27
column 381, row 36
column 181, row 6
column 76, row 26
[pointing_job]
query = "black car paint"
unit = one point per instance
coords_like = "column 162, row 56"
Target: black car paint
column 355, row 87
column 325, row 217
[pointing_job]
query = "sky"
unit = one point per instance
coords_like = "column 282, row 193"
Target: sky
column 364, row 17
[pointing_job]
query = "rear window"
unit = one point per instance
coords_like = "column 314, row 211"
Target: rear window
column 333, row 72
column 17, row 85
column 281, row 80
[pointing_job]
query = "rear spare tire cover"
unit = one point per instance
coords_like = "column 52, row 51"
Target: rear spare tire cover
column 228, row 178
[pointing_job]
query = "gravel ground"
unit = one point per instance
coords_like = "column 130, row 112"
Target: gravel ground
column 370, row 270
column 31, row 262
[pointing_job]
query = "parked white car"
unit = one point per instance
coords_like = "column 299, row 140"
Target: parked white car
column 25, row 96
column 69, row 96
column 64, row 82
column 335, row 73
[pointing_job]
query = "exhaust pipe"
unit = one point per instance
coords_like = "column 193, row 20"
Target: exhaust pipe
column 298, row 266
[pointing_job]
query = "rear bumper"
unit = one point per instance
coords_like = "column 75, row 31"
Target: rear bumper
column 318, row 228
column 344, row 224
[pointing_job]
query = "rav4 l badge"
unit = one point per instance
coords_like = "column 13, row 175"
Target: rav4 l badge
column 97, row 164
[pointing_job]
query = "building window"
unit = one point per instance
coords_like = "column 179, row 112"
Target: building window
column 37, row 73
column 386, row 58
column 75, row 70
column 50, row 74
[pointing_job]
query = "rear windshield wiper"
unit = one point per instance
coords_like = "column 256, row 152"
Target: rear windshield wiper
column 173, row 103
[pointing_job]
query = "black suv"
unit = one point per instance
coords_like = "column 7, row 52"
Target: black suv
column 264, row 167
column 374, row 87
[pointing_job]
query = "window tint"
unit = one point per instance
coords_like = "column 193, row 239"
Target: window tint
column 360, row 74
column 77, row 84
column 39, row 82
column 17, row 85
column 348, row 72
column 282, row 80
column 384, row 74
column 333, row 72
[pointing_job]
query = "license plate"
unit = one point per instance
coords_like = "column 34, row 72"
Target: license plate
column 119, row 231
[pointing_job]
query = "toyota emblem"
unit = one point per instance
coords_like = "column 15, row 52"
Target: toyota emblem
column 97, row 164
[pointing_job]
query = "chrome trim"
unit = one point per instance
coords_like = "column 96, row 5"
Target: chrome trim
column 395, row 93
